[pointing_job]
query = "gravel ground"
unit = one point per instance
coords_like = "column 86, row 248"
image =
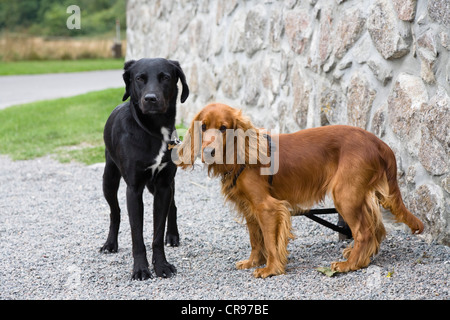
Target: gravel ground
column 54, row 219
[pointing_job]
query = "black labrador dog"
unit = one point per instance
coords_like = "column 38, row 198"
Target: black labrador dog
column 137, row 134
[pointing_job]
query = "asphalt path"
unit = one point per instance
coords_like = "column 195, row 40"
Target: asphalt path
column 29, row 88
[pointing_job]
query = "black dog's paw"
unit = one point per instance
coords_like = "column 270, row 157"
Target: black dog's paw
column 142, row 273
column 109, row 248
column 172, row 240
column 165, row 269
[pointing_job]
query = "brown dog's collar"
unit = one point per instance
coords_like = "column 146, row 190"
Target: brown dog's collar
column 236, row 176
column 225, row 176
column 173, row 143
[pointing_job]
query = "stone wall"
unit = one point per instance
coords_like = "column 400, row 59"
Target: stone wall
column 382, row 65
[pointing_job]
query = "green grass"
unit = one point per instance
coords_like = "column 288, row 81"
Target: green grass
column 181, row 130
column 58, row 66
column 68, row 128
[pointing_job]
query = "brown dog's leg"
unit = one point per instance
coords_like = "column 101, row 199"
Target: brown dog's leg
column 275, row 222
column 391, row 197
column 257, row 256
column 364, row 219
column 269, row 224
column 395, row 204
column 361, row 237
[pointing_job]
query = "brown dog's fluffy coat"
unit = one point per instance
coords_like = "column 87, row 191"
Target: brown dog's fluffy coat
column 353, row 166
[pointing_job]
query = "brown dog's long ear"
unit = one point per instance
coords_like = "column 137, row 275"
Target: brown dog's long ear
column 192, row 144
column 242, row 122
column 126, row 78
column 247, row 139
column 180, row 73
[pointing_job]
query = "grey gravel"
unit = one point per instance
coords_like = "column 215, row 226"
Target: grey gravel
column 54, row 219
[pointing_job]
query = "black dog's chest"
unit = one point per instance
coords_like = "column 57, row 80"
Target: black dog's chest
column 160, row 152
column 160, row 161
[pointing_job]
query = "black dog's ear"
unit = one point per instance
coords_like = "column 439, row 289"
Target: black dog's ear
column 126, row 78
column 180, row 73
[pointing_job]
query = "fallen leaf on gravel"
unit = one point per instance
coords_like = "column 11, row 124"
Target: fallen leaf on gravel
column 327, row 271
column 390, row 274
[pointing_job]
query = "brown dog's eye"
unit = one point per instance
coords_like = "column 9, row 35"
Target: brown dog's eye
column 222, row 128
column 203, row 127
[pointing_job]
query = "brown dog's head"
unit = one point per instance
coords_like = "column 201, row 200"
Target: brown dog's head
column 223, row 137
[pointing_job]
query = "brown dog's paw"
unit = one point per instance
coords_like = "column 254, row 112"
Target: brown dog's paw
column 266, row 272
column 244, row 264
column 250, row 263
column 262, row 273
column 417, row 227
column 345, row 266
column 342, row 266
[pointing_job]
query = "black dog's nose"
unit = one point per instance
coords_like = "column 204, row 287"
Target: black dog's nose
column 150, row 97
column 210, row 151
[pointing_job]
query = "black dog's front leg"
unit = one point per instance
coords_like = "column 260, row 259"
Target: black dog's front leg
column 161, row 204
column 111, row 181
column 172, row 235
column 136, row 215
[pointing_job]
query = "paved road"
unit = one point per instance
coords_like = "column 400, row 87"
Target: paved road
column 28, row 88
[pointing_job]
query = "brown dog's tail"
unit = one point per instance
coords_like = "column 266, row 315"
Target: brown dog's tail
column 393, row 199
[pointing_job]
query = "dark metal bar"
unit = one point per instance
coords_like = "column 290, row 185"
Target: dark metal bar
column 341, row 223
column 322, row 211
column 342, row 227
column 315, row 211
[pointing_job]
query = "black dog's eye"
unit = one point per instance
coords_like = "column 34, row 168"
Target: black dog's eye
column 222, row 128
column 164, row 77
column 203, row 127
column 139, row 78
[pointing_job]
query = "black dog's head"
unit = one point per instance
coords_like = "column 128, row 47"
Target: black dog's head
column 152, row 84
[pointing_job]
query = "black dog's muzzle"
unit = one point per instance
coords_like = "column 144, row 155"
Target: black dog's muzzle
column 151, row 98
column 151, row 103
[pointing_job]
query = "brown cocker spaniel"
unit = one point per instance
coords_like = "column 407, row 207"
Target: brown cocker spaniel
column 270, row 177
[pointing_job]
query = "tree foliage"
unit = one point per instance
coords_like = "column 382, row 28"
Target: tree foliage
column 48, row 17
